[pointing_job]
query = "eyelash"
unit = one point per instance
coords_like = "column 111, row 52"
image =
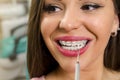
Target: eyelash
column 91, row 6
column 51, row 8
column 86, row 7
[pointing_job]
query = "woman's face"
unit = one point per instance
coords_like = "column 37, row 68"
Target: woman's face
column 72, row 27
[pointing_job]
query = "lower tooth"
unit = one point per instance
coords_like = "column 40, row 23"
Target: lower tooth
column 65, row 47
column 71, row 48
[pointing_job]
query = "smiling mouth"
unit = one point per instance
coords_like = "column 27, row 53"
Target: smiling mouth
column 72, row 45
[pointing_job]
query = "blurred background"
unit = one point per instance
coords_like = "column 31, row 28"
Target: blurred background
column 13, row 39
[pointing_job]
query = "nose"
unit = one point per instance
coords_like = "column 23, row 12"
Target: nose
column 70, row 21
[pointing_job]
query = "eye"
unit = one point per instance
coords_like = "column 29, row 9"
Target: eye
column 90, row 6
column 51, row 8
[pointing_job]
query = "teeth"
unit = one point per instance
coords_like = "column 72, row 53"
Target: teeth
column 73, row 45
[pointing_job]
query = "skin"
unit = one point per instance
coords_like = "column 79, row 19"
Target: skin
column 68, row 18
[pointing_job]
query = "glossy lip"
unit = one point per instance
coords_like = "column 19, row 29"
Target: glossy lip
column 72, row 53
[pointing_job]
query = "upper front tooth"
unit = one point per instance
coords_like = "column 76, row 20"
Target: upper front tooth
column 73, row 42
column 65, row 42
column 73, row 45
column 62, row 42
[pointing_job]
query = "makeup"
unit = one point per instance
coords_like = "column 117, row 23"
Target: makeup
column 77, row 69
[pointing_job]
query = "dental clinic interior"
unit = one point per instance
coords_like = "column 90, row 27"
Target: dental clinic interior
column 13, row 39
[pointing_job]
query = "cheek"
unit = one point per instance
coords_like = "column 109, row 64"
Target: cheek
column 45, row 27
column 101, row 26
column 48, row 26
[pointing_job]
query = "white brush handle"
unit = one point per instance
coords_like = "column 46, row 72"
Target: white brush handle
column 77, row 71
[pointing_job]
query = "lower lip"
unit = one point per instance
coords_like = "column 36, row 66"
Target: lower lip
column 72, row 53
